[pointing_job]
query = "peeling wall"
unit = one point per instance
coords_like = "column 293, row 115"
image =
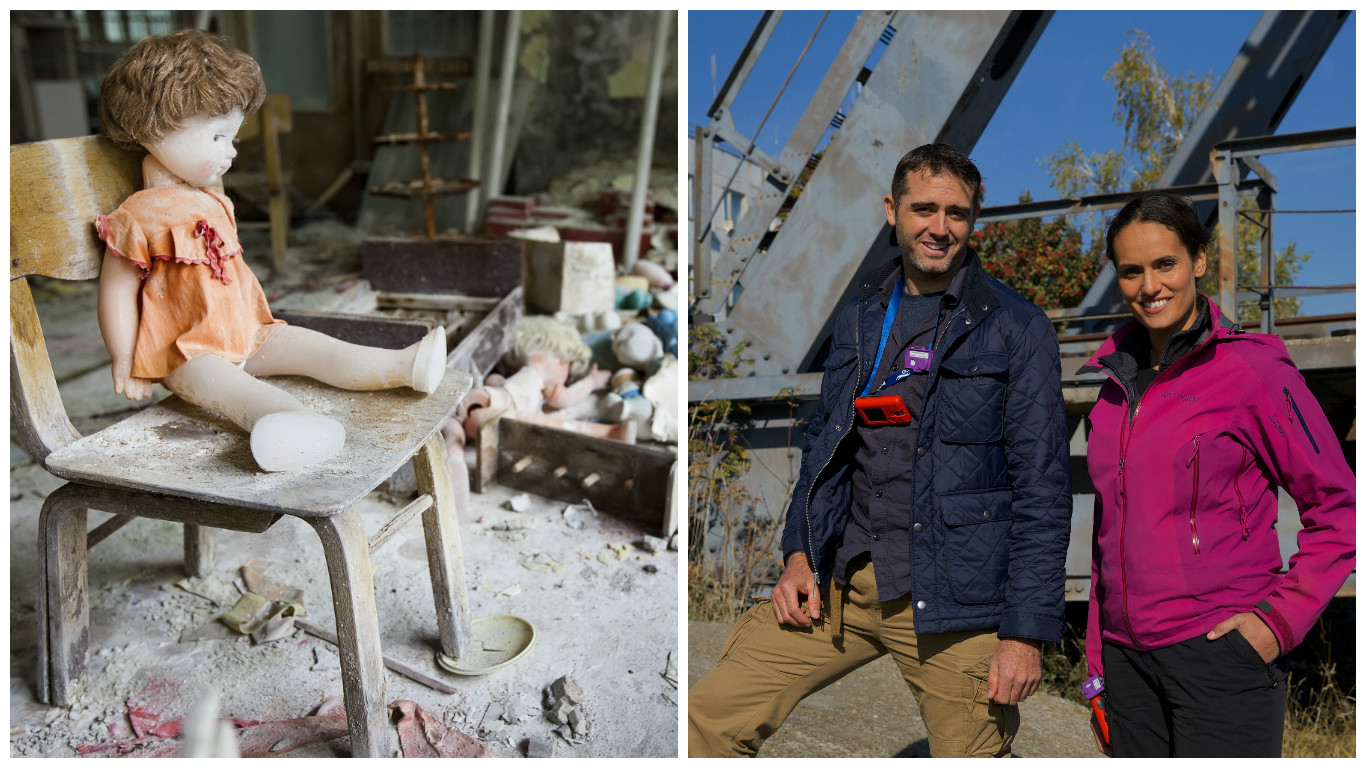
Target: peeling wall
column 593, row 70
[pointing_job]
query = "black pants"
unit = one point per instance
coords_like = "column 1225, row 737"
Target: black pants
column 1195, row 699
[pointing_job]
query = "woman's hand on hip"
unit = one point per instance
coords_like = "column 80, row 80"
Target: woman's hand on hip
column 1254, row 630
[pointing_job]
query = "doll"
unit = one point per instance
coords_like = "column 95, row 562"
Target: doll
column 548, row 352
column 177, row 303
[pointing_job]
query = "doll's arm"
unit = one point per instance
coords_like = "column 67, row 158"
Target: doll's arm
column 561, row 396
column 118, row 313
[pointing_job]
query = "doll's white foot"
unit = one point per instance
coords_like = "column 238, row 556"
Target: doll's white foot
column 430, row 365
column 294, row 439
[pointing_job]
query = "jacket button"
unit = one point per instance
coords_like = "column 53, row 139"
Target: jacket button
column 917, row 528
column 987, row 514
column 967, row 321
column 878, row 494
column 972, row 368
column 920, row 604
column 919, row 451
column 838, row 427
column 876, row 537
column 884, row 451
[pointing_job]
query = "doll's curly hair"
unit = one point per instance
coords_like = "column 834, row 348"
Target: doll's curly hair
column 541, row 333
column 163, row 80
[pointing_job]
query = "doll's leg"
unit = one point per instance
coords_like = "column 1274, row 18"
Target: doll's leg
column 296, row 351
column 285, row 434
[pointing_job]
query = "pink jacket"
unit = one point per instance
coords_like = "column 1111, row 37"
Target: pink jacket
column 1186, row 495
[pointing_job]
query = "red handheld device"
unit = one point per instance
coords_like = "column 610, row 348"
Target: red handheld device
column 883, row 409
column 1094, row 689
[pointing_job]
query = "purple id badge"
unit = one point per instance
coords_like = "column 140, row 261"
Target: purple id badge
column 918, row 359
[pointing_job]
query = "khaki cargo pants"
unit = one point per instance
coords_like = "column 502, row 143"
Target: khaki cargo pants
column 766, row 669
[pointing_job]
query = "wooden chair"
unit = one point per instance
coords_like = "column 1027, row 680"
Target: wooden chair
column 272, row 119
column 175, row 462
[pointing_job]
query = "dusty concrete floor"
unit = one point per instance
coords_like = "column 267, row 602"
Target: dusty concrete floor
column 606, row 611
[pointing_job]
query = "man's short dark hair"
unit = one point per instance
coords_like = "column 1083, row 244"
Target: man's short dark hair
column 937, row 159
column 1172, row 211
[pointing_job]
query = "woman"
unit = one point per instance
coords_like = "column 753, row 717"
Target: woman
column 1198, row 426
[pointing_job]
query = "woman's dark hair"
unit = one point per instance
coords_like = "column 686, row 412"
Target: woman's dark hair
column 1174, row 212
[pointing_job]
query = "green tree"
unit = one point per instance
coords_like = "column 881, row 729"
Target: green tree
column 1042, row 260
column 1156, row 110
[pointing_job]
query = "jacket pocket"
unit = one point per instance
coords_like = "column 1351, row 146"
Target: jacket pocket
column 972, row 397
column 977, row 544
column 1290, row 401
column 1193, row 464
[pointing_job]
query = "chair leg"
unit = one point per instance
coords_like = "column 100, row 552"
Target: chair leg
column 353, row 601
column 200, row 550
column 444, row 556
column 63, row 598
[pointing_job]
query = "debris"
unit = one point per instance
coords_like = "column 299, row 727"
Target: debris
column 145, row 708
column 209, row 588
column 254, row 576
column 651, row 568
column 653, row 544
column 670, row 673
column 519, row 503
column 253, row 611
column 605, row 558
column 421, row 735
column 514, row 709
column 512, row 591
column 542, row 561
column 563, row 700
column 275, row 629
column 578, row 516
column 620, row 549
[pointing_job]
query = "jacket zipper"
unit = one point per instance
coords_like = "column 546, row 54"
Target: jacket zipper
column 1242, row 505
column 1195, row 488
column 1290, row 400
column 1123, row 572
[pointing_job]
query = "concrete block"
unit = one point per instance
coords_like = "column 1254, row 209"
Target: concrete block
column 577, row 278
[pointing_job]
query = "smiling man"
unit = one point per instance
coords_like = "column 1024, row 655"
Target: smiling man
column 931, row 516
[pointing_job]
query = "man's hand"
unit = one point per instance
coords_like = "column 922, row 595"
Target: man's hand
column 1016, row 669
column 1254, row 630
column 797, row 581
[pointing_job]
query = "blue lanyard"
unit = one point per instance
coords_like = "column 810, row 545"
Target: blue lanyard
column 887, row 320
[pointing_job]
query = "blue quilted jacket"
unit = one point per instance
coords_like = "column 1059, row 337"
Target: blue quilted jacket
column 991, row 490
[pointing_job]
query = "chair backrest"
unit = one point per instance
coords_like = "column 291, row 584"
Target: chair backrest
column 57, row 188
column 275, row 114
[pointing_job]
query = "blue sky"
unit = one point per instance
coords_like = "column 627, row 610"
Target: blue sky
column 1060, row 94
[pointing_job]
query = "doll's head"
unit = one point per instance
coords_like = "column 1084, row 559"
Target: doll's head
column 546, row 334
column 164, row 81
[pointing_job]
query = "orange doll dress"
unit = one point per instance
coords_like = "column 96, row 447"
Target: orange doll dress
column 198, row 296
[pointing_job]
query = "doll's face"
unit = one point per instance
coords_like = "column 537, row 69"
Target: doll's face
column 201, row 150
